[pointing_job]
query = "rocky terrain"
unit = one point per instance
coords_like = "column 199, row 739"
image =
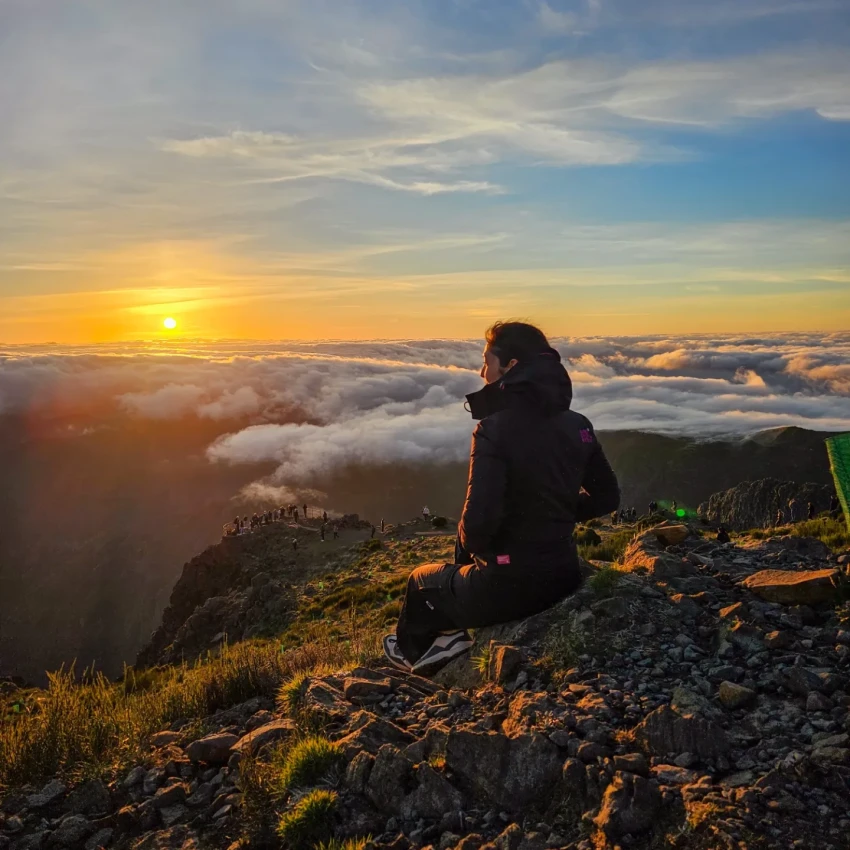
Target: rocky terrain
column 693, row 695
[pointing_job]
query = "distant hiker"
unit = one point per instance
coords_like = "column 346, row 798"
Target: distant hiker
column 794, row 510
column 294, row 544
column 382, row 525
column 336, row 531
column 371, row 531
column 324, row 516
column 810, row 510
column 237, row 526
column 723, row 535
column 322, row 532
column 614, row 518
column 779, row 517
column 536, row 469
column 425, row 512
column 634, row 514
column 295, row 515
column 305, row 510
column 245, row 528
column 653, row 506
column 674, row 506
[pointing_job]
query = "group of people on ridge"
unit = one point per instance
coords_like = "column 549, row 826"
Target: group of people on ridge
column 245, row 525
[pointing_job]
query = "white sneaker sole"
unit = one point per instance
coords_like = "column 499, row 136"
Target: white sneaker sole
column 443, row 655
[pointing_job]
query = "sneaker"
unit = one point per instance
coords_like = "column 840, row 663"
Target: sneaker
column 444, row 648
column 394, row 654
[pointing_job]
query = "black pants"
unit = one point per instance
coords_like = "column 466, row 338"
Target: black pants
column 440, row 597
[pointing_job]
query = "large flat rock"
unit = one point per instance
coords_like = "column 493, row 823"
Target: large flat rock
column 793, row 587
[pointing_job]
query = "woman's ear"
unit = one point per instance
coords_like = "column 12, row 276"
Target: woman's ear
column 511, row 364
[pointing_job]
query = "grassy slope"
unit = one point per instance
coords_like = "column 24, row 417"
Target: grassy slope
column 100, row 727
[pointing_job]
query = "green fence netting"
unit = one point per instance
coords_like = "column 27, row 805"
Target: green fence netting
column 838, row 448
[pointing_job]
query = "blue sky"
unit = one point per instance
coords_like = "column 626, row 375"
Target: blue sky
column 375, row 169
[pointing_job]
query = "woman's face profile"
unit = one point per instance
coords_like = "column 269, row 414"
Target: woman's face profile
column 492, row 370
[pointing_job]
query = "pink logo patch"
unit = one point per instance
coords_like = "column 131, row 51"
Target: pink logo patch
column 586, row 435
column 503, row 559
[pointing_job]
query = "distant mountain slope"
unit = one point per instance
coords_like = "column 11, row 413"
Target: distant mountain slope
column 652, row 466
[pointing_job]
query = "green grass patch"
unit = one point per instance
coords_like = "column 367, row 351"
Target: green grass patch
column 827, row 529
column 291, row 692
column 605, row 580
column 96, row 728
column 306, row 763
column 481, row 662
column 309, row 822
column 610, row 549
column 347, row 844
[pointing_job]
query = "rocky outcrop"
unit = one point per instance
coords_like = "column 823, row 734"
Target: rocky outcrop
column 753, row 504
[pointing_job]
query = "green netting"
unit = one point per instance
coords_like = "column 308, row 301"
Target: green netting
column 838, row 448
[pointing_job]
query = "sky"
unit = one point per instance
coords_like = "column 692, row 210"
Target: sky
column 279, row 169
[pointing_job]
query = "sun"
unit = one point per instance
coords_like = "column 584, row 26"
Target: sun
column 169, row 323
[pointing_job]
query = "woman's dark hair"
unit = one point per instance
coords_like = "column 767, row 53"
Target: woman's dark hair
column 515, row 341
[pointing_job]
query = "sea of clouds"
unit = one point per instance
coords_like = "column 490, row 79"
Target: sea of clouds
column 314, row 408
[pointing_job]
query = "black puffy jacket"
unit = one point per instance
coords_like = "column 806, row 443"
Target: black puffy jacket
column 535, row 469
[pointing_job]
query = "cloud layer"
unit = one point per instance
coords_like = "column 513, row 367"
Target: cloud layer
column 314, row 409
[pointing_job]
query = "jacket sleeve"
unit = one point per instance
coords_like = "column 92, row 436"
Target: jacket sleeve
column 484, row 508
column 601, row 492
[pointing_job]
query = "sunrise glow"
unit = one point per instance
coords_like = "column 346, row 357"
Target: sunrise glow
column 169, row 323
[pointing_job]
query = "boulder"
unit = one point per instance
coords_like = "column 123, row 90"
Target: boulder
column 790, row 587
column 366, row 689
column 734, row 696
column 646, row 554
column 71, row 830
column 629, row 806
column 511, row 772
column 664, row 732
column 803, row 681
column 504, row 663
column 432, row 797
column 49, row 794
column 170, row 795
column 90, row 798
column 370, row 733
column 171, row 815
column 164, row 738
column 632, row 763
column 263, row 735
column 670, row 535
column 357, row 772
column 212, row 749
column 389, row 779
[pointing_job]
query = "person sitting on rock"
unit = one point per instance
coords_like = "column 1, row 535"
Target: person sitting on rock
column 536, row 469
column 723, row 535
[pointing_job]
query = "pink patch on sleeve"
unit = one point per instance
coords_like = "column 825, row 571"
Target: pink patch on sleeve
column 503, row 559
column 586, row 435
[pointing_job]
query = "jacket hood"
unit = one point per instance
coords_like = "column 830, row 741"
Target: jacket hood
column 540, row 383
